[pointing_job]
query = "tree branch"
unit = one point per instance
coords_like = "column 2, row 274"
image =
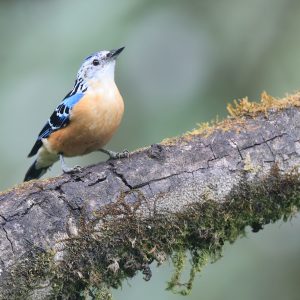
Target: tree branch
column 81, row 234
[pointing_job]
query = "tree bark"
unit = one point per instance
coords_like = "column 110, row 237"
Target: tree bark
column 45, row 218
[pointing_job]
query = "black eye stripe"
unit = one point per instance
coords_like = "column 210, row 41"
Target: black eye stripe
column 96, row 62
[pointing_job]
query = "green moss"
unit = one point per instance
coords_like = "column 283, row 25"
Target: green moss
column 238, row 111
column 97, row 260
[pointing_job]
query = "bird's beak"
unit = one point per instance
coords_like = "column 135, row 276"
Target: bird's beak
column 115, row 52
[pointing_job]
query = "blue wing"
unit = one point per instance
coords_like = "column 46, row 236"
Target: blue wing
column 59, row 119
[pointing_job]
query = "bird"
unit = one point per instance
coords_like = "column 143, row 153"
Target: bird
column 86, row 118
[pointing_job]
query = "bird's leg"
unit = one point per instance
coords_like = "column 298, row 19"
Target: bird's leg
column 65, row 168
column 115, row 155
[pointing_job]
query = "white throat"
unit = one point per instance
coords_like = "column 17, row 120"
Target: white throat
column 107, row 72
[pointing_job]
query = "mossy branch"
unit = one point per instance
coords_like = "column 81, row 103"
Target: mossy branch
column 76, row 236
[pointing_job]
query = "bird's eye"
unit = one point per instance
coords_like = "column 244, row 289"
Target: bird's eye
column 96, row 62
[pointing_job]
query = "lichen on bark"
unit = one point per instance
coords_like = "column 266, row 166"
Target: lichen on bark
column 120, row 241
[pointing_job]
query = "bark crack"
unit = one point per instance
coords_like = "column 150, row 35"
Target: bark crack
column 5, row 220
column 22, row 213
column 235, row 145
column 10, row 241
column 213, row 153
column 62, row 196
column 97, row 181
column 163, row 178
column 113, row 169
column 264, row 141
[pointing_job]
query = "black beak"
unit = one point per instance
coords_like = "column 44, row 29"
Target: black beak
column 115, row 52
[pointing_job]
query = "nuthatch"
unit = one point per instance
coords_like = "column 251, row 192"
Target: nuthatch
column 86, row 118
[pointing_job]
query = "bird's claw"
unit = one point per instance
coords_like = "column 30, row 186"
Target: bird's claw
column 118, row 155
column 115, row 155
column 69, row 170
column 123, row 154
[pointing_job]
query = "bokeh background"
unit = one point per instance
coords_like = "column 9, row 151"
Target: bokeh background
column 184, row 60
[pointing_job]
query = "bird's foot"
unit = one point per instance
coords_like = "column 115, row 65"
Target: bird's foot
column 116, row 155
column 67, row 169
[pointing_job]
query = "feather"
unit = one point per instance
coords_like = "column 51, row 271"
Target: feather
column 59, row 119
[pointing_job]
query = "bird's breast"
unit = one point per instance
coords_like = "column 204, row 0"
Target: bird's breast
column 93, row 121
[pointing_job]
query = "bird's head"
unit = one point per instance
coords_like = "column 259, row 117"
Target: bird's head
column 99, row 65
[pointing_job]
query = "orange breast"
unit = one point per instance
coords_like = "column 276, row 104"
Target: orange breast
column 93, row 121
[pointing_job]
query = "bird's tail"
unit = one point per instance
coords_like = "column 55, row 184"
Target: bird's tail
column 34, row 172
column 43, row 162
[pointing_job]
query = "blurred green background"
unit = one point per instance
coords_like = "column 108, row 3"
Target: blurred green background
column 184, row 60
